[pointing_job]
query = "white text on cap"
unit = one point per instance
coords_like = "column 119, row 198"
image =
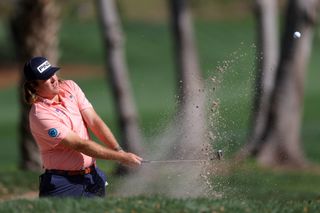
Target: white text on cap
column 44, row 66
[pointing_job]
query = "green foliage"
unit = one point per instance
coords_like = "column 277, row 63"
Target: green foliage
column 6, row 46
column 74, row 40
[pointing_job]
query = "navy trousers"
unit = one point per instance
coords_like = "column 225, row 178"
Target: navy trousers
column 59, row 185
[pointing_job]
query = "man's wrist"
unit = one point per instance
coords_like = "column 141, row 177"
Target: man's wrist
column 117, row 148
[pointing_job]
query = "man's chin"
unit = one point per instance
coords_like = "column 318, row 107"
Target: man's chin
column 56, row 90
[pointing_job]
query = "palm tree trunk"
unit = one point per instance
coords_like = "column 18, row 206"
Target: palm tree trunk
column 191, row 115
column 34, row 30
column 113, row 39
column 267, row 60
column 281, row 140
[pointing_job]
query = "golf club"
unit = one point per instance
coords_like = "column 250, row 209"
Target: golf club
column 218, row 156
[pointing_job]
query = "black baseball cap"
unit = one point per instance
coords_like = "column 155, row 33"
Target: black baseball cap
column 38, row 68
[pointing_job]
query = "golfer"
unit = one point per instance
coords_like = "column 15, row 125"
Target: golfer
column 60, row 117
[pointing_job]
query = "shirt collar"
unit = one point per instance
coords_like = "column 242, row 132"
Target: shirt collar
column 50, row 101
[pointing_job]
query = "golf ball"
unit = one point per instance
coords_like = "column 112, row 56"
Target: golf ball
column 296, row 34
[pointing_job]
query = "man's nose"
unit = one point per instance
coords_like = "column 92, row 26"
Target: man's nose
column 53, row 78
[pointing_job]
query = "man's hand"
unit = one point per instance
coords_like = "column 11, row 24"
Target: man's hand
column 130, row 159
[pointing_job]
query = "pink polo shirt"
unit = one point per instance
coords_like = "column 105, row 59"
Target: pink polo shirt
column 50, row 122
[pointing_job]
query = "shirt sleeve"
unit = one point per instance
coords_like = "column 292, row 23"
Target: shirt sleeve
column 47, row 129
column 83, row 102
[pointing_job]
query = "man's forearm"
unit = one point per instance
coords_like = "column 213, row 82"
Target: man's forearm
column 104, row 134
column 95, row 150
column 99, row 128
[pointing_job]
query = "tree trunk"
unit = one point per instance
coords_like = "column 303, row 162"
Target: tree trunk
column 267, row 58
column 281, row 140
column 113, row 39
column 34, row 30
column 191, row 114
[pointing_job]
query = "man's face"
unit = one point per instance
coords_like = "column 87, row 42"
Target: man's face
column 48, row 88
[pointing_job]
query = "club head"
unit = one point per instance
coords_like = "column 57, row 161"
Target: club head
column 219, row 154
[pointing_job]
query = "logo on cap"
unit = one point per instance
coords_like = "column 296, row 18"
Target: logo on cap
column 44, row 66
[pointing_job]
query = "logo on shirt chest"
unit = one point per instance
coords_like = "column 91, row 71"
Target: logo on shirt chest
column 58, row 111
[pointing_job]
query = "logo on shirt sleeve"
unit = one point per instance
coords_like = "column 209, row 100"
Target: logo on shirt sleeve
column 53, row 132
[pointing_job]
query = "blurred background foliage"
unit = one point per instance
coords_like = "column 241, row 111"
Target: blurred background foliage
column 80, row 12
column 225, row 31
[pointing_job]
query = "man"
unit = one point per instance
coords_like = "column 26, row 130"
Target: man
column 59, row 119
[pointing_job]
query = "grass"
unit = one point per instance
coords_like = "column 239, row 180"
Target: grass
column 249, row 182
column 14, row 183
column 246, row 188
column 9, row 114
column 159, row 204
column 73, row 40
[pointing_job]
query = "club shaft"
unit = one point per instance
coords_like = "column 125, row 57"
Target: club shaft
column 173, row 161
column 218, row 157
